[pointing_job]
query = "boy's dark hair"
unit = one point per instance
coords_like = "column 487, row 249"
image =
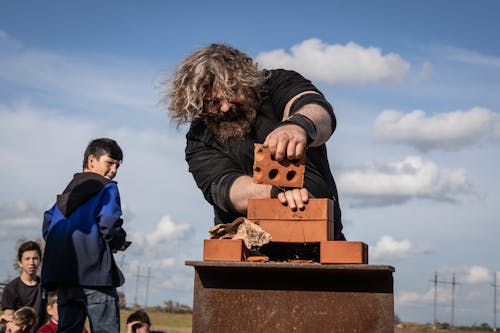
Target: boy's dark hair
column 26, row 317
column 102, row 146
column 28, row 246
column 51, row 298
column 140, row 316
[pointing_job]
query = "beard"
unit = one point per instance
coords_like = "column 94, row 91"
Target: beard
column 233, row 124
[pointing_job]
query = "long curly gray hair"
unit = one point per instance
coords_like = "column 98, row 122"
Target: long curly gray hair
column 217, row 67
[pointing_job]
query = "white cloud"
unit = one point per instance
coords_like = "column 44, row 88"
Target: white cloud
column 426, row 71
column 178, row 281
column 451, row 130
column 381, row 184
column 168, row 231
column 168, row 262
column 417, row 299
column 470, row 57
column 473, row 296
column 20, row 214
column 350, row 63
column 477, row 274
column 166, row 234
column 389, row 248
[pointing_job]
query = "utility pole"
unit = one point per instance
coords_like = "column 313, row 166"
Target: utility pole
column 137, row 284
column 453, row 300
column 435, row 299
column 147, row 287
column 453, row 283
column 494, row 285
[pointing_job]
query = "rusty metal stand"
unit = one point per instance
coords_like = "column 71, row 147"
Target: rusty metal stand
column 285, row 297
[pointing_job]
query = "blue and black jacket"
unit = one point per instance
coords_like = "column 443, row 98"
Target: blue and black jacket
column 81, row 231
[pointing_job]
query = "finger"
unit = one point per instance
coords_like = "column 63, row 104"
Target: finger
column 291, row 150
column 295, row 150
column 297, row 197
column 290, row 200
column 304, row 194
column 300, row 147
column 282, row 198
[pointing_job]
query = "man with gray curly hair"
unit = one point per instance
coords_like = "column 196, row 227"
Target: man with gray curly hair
column 230, row 105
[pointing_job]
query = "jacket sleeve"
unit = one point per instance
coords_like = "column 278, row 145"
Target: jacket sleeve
column 283, row 85
column 47, row 220
column 214, row 171
column 109, row 217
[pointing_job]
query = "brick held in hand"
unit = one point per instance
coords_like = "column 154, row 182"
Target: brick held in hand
column 286, row 173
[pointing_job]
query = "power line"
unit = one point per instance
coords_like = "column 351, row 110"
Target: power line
column 453, row 283
column 137, row 283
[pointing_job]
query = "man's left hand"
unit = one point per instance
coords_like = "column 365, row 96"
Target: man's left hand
column 295, row 198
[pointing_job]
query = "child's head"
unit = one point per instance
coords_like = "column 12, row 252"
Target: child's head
column 102, row 156
column 29, row 256
column 52, row 306
column 141, row 320
column 22, row 320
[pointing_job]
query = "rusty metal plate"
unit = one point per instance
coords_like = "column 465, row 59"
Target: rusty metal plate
column 284, row 297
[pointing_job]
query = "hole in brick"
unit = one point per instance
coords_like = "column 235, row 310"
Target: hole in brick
column 273, row 173
column 290, row 175
column 257, row 169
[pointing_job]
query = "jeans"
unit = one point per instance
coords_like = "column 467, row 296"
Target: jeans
column 100, row 304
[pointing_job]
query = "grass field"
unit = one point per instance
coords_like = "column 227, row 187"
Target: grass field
column 421, row 328
column 182, row 323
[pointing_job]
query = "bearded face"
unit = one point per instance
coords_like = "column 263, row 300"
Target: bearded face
column 228, row 119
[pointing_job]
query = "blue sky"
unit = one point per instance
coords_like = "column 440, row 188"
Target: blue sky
column 415, row 154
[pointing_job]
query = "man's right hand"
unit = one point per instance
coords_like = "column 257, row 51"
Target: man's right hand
column 288, row 141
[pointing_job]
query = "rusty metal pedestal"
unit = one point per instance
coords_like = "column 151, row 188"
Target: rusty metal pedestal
column 284, row 297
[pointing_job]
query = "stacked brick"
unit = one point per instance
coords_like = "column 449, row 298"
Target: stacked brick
column 312, row 225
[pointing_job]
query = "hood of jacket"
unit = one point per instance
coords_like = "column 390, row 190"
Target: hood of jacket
column 82, row 187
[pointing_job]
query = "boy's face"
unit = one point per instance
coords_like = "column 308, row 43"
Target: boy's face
column 29, row 262
column 104, row 166
column 52, row 311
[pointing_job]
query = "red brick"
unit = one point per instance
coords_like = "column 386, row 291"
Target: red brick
column 343, row 252
column 307, row 231
column 266, row 170
column 224, row 250
column 273, row 209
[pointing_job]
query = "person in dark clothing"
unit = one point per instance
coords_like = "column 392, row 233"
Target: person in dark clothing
column 25, row 290
column 230, row 105
column 82, row 230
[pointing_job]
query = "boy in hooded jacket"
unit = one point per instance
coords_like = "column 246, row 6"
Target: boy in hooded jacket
column 82, row 230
